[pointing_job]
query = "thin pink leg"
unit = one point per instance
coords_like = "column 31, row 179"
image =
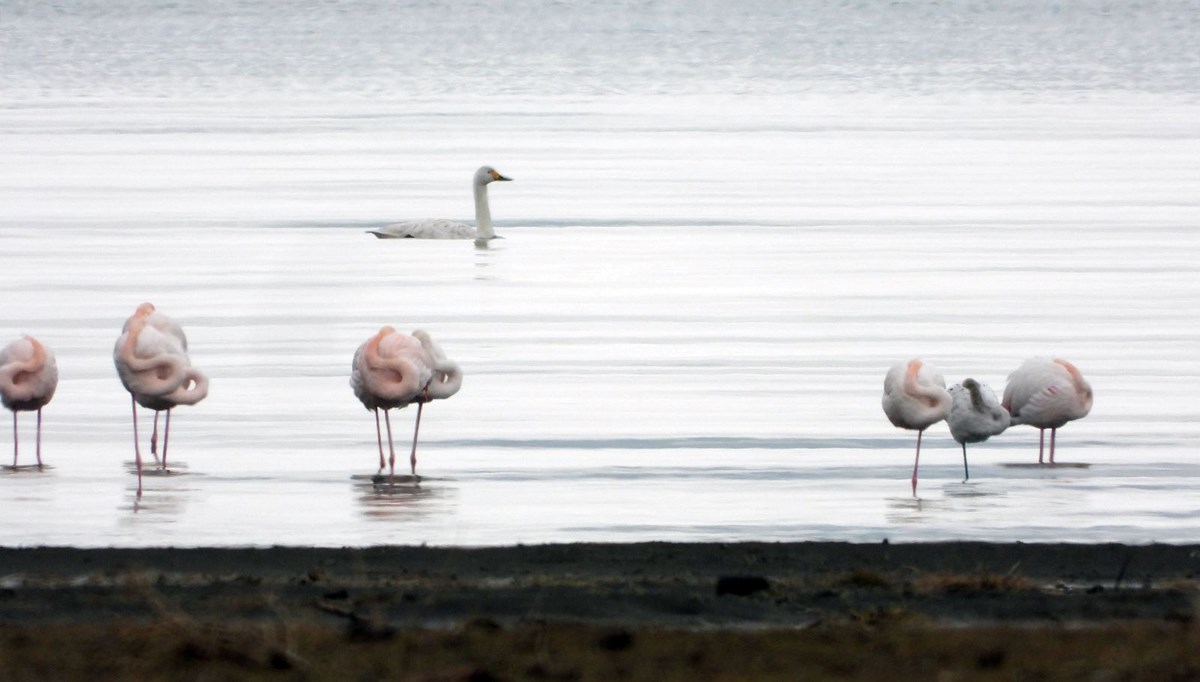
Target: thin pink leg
column 15, row 448
column 137, row 451
column 379, row 438
column 916, row 462
column 154, row 436
column 413, row 458
column 1053, row 432
column 391, row 449
column 39, row 438
column 166, row 436
column 1041, row 444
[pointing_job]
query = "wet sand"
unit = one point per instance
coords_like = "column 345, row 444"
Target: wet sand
column 494, row 611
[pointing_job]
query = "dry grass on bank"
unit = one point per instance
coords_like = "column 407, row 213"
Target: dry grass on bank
column 893, row 649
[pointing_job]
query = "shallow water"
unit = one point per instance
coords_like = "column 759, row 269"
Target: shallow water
column 684, row 332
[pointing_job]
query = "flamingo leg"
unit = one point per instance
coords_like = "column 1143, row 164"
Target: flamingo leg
column 39, row 438
column 166, row 436
column 154, row 436
column 379, row 438
column 1053, row 432
column 916, row 462
column 16, row 449
column 1041, row 444
column 966, row 472
column 137, row 451
column 413, row 458
column 391, row 449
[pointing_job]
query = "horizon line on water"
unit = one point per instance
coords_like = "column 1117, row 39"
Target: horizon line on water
column 734, row 443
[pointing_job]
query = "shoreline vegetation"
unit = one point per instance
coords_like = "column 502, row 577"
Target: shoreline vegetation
column 642, row 611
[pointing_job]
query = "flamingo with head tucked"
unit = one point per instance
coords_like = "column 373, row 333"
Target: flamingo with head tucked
column 392, row 370
column 153, row 364
column 915, row 397
column 28, row 379
column 975, row 415
column 1047, row 393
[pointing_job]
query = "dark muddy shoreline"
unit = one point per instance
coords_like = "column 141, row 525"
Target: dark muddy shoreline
column 658, row 584
column 650, row 611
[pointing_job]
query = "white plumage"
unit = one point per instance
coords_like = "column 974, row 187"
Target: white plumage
column 393, row 370
column 975, row 415
column 153, row 364
column 1047, row 393
column 915, row 397
column 28, row 379
column 441, row 228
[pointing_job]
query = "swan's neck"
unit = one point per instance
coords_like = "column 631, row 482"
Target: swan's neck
column 483, row 214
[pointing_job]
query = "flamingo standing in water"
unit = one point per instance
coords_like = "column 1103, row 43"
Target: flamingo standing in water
column 915, row 397
column 152, row 362
column 975, row 415
column 1047, row 393
column 28, row 378
column 392, row 369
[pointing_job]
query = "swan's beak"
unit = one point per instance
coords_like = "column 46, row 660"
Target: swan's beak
column 498, row 177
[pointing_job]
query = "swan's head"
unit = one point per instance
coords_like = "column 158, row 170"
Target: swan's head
column 488, row 174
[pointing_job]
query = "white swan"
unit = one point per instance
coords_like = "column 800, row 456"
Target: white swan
column 440, row 228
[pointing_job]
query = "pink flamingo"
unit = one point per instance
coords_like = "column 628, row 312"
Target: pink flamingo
column 152, row 362
column 1047, row 393
column 915, row 397
column 28, row 378
column 392, row 369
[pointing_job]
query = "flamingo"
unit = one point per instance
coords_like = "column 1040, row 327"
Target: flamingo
column 165, row 325
column 152, row 362
column 392, row 369
column 440, row 228
column 975, row 415
column 28, row 378
column 1047, row 393
column 915, row 397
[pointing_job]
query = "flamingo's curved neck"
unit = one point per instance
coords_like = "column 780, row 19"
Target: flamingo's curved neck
column 160, row 374
column 389, row 377
column 929, row 395
column 483, row 214
column 11, row 375
column 1083, row 390
column 1076, row 375
column 192, row 390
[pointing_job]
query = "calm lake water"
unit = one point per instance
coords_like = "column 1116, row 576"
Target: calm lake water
column 725, row 225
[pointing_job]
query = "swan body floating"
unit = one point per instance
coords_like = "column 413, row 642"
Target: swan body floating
column 440, row 228
column 915, row 397
column 1047, row 393
column 28, row 379
column 153, row 365
column 393, row 370
column 975, row 415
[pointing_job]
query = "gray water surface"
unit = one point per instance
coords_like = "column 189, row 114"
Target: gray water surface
column 726, row 224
